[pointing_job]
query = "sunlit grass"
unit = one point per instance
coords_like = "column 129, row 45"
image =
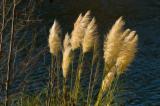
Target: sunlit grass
column 70, row 58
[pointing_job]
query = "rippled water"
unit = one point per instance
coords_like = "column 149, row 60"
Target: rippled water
column 140, row 86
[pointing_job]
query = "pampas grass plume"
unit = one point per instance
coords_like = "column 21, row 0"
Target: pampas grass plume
column 79, row 30
column 113, row 42
column 90, row 36
column 54, row 39
column 76, row 24
column 86, row 20
column 127, row 52
column 66, row 41
column 76, row 34
column 67, row 56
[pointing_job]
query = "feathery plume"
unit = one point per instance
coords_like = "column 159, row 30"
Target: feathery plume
column 128, row 50
column 113, row 42
column 54, row 39
column 67, row 57
column 90, row 36
column 86, row 20
column 66, row 41
column 79, row 30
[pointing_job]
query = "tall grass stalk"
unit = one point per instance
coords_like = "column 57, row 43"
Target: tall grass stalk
column 101, row 92
column 51, row 81
column 89, row 41
column 65, row 92
column 76, row 89
column 89, row 95
column 72, row 78
column 89, row 86
column 108, row 99
column 58, row 90
column 55, row 50
column 95, row 62
column 9, row 64
column 94, row 83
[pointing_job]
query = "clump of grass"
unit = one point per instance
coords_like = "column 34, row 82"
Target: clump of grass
column 120, row 47
column 64, row 85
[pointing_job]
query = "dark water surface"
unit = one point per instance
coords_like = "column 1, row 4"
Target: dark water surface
column 140, row 86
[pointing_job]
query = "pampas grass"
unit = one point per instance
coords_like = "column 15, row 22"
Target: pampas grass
column 79, row 30
column 90, row 36
column 54, row 39
column 66, row 42
column 66, row 63
column 113, row 42
column 67, row 56
column 120, row 47
column 127, row 52
column 119, row 51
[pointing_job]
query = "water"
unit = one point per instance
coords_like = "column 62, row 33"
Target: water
column 140, row 86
